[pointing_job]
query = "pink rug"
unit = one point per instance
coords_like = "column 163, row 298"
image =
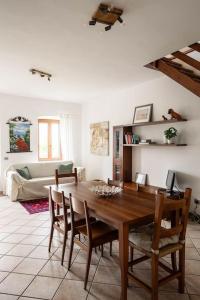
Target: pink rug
column 36, row 206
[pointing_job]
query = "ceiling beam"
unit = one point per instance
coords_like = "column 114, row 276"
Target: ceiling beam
column 195, row 47
column 183, row 79
column 187, row 59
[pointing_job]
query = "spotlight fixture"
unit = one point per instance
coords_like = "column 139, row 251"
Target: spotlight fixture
column 108, row 27
column 108, row 15
column 41, row 74
column 92, row 22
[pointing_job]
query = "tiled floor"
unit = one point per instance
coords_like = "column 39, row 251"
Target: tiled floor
column 28, row 271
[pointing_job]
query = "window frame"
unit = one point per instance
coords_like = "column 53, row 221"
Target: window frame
column 49, row 122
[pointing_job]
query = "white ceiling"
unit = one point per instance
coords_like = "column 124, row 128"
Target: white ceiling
column 86, row 61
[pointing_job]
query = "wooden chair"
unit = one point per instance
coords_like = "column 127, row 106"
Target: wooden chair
column 115, row 183
column 156, row 242
column 62, row 175
column 60, row 222
column 94, row 233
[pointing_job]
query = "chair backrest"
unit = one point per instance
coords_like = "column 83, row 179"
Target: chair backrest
column 62, row 175
column 180, row 209
column 116, row 183
column 80, row 208
column 55, row 197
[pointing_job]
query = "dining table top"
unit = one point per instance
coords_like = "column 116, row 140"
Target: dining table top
column 127, row 206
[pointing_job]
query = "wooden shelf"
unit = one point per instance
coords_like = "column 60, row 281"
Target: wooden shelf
column 152, row 123
column 154, row 145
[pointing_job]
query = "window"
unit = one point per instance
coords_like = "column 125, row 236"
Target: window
column 49, row 139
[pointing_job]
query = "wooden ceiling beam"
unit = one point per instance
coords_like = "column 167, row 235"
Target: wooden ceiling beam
column 195, row 47
column 187, row 59
column 183, row 79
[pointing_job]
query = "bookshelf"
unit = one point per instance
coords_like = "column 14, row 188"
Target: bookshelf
column 122, row 152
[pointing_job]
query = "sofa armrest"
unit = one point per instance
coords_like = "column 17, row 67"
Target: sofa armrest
column 81, row 173
column 13, row 182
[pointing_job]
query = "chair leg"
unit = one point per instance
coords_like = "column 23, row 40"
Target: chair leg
column 64, row 246
column 181, row 281
column 87, row 267
column 71, row 250
column 51, row 237
column 174, row 262
column 102, row 250
column 154, row 262
column 131, row 256
column 110, row 248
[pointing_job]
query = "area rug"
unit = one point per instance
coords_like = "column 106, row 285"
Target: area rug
column 36, row 206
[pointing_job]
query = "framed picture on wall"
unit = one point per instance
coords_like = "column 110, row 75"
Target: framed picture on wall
column 140, row 178
column 143, row 113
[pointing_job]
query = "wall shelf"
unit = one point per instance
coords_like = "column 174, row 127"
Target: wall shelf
column 154, row 145
column 161, row 122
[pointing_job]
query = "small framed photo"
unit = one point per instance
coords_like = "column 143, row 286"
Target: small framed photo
column 140, row 178
column 143, row 113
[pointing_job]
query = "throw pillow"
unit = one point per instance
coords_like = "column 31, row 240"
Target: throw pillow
column 24, row 172
column 65, row 169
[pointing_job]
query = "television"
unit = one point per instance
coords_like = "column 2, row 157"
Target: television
column 170, row 181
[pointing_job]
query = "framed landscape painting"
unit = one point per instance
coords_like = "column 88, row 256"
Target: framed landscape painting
column 143, row 113
column 99, row 138
column 19, row 136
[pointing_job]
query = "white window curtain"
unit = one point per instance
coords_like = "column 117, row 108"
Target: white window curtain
column 66, row 135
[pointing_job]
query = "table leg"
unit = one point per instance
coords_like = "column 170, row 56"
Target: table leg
column 123, row 254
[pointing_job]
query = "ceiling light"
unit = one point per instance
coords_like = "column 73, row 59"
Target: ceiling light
column 92, row 22
column 108, row 27
column 41, row 74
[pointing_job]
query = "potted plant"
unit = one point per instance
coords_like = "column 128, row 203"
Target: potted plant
column 170, row 134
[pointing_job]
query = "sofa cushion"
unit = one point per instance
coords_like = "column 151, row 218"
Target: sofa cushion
column 24, row 172
column 65, row 168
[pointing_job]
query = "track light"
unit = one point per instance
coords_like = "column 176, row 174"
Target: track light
column 92, row 22
column 41, row 74
column 120, row 20
column 108, row 27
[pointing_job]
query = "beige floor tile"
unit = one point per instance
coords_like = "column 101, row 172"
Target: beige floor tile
column 19, row 222
column 8, row 297
column 21, row 250
column 173, row 296
column 42, row 252
column 192, row 253
column 43, row 287
column 5, row 247
column 81, row 258
column 189, row 242
column 15, row 283
column 77, row 272
column 42, row 231
column 3, row 275
column 15, row 238
column 196, row 242
column 109, row 275
column 192, row 267
column 8, row 263
column 3, row 235
column 58, row 254
column 9, row 228
column 25, row 230
column 108, row 260
column 34, row 223
column 30, row 266
column 33, row 240
column 75, row 291
column 193, row 284
column 194, row 234
column 55, row 242
column 53, row 268
column 100, row 291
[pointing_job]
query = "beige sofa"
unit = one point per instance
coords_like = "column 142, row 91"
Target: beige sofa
column 42, row 173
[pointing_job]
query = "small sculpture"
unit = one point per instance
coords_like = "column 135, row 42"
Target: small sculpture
column 164, row 118
column 175, row 115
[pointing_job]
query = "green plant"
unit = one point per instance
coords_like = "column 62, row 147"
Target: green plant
column 170, row 133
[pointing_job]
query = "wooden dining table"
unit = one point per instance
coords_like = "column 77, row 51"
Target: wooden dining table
column 120, row 210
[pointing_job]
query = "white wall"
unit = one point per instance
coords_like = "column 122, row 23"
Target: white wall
column 12, row 106
column 155, row 161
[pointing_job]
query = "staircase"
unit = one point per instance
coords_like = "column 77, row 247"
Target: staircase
column 181, row 67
